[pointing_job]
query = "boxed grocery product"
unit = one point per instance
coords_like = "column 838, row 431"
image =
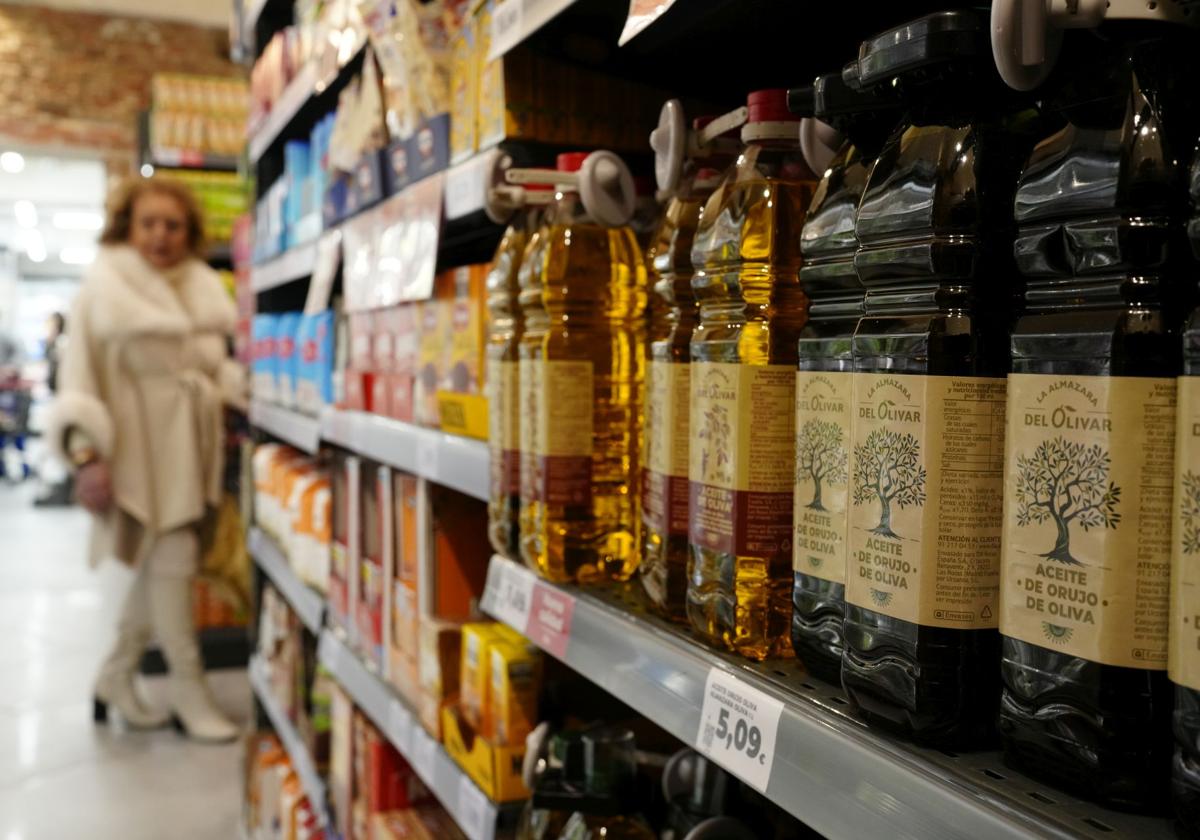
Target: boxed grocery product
column 341, row 760
column 344, row 553
column 495, row 768
column 506, row 86
column 515, row 674
column 314, row 534
column 456, row 573
column 403, row 620
column 374, row 558
column 286, row 358
column 475, row 680
column 434, row 315
column 464, row 92
column 387, row 782
column 405, row 346
column 360, row 368
column 438, row 658
column 462, row 406
column 262, row 368
column 314, row 387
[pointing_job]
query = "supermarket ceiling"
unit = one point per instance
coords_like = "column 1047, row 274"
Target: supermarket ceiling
column 200, row 12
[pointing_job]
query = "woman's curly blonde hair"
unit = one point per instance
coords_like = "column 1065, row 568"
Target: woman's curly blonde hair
column 125, row 195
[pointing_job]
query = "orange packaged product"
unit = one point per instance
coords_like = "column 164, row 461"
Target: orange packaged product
column 403, row 621
column 462, row 406
column 458, row 562
column 374, row 559
column 438, row 662
column 314, row 531
column 344, row 549
column 434, row 322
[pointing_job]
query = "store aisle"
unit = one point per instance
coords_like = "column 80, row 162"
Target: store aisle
column 60, row 776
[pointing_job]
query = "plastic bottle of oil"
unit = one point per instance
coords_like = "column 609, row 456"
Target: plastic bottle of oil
column 1184, row 636
column 935, row 235
column 752, row 308
column 826, row 368
column 506, row 327
column 673, row 314
column 593, row 360
column 529, row 392
column 1090, row 435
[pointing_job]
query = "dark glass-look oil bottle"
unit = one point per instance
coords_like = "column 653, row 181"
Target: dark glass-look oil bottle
column 1185, row 561
column 826, row 364
column 673, row 314
column 935, row 235
column 1100, row 211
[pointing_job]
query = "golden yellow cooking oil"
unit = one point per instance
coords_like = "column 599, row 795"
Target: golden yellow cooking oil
column 529, row 394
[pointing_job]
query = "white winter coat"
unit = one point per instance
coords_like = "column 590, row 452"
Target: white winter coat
column 144, row 377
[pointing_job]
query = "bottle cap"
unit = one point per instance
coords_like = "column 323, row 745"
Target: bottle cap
column 770, row 105
column 570, row 161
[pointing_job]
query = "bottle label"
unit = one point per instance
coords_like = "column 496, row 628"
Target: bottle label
column 823, row 435
column 926, row 475
column 740, row 479
column 665, row 479
column 566, row 428
column 529, row 399
column 1087, row 516
column 1184, row 654
column 504, row 421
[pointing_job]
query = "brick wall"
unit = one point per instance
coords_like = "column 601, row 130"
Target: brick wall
column 77, row 80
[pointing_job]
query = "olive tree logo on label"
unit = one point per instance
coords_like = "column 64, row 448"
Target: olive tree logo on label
column 1066, row 482
column 1189, row 511
column 820, row 457
column 887, row 467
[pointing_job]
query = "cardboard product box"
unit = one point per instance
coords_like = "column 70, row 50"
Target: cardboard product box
column 506, row 87
column 438, row 662
column 474, row 684
column 456, row 570
column 403, row 620
column 429, row 147
column 494, row 767
column 515, row 674
column 406, row 346
column 462, row 404
column 344, row 552
column 374, row 558
column 262, row 365
column 398, row 169
column 391, row 783
column 434, row 315
column 370, row 175
column 314, row 387
column 464, row 93
column 315, row 534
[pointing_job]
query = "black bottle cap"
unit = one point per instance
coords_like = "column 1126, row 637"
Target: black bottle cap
column 939, row 39
column 800, row 101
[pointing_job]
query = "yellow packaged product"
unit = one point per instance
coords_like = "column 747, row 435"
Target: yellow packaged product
column 515, row 671
column 464, row 92
column 462, row 406
column 474, row 680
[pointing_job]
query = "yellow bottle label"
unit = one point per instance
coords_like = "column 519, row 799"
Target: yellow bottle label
column 567, row 428
column 1184, row 654
column 665, row 479
column 740, row 479
column 819, row 516
column 529, row 398
column 926, row 475
column 1087, row 516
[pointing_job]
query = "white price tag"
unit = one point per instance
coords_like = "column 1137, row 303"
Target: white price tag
column 510, row 592
column 738, row 725
column 474, row 809
column 507, row 27
column 465, row 187
column 325, row 266
column 424, row 750
column 400, row 726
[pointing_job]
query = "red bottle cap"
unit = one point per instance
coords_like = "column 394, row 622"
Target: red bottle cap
column 769, row 106
column 571, row 161
column 538, row 187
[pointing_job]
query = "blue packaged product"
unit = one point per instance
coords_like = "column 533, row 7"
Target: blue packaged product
column 286, row 358
column 314, row 387
column 262, row 365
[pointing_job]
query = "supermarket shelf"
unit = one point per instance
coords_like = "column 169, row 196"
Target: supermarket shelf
column 292, row 264
column 300, row 430
column 310, row 780
column 221, row 648
column 513, row 25
column 293, row 98
column 307, row 603
column 452, row 461
column 829, row 770
column 179, row 159
column 475, row 814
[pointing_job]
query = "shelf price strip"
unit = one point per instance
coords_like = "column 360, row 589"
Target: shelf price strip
column 543, row 613
column 738, row 726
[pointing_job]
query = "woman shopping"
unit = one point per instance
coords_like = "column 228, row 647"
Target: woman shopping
column 139, row 417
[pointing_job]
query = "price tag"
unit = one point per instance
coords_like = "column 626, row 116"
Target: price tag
column 507, row 27
column 738, row 725
column 424, row 750
column 549, row 625
column 465, row 186
column 474, row 809
column 400, row 726
column 510, row 594
column 325, row 266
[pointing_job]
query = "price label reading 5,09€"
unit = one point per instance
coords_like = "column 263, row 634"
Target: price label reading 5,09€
column 738, row 725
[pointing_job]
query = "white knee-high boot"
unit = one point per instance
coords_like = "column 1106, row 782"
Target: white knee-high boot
column 172, row 565
column 115, row 685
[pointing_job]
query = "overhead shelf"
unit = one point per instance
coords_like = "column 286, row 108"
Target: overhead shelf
column 828, row 769
column 307, row 603
column 181, row 159
column 293, row 264
column 299, row 430
column 302, row 761
column 475, row 814
column 452, row 461
column 283, row 111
